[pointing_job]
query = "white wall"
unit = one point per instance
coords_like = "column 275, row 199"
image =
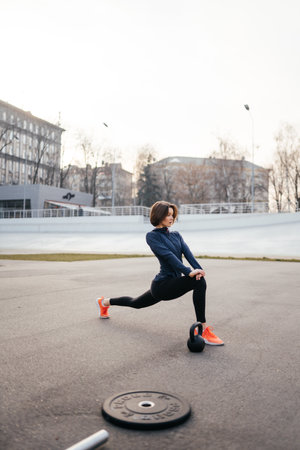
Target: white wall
column 85, row 224
column 129, row 224
column 269, row 235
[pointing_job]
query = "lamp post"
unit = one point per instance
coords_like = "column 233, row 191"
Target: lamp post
column 25, row 180
column 113, row 173
column 252, row 171
column 19, row 138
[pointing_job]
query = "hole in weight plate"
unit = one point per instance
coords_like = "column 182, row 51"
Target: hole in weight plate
column 146, row 404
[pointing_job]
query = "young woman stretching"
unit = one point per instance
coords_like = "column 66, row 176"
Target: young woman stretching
column 169, row 283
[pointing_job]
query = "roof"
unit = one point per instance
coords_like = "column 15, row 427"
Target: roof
column 201, row 161
column 29, row 115
column 75, row 206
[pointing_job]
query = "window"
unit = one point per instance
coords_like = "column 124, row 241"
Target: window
column 30, row 126
column 4, row 115
column 25, row 124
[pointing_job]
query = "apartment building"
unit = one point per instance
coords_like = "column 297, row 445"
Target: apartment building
column 30, row 148
column 188, row 180
column 108, row 184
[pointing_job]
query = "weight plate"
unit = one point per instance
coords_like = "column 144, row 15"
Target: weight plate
column 146, row 410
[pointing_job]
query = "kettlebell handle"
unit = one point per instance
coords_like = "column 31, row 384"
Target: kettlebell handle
column 192, row 330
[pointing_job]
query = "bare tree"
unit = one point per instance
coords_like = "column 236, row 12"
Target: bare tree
column 231, row 179
column 167, row 179
column 63, row 170
column 228, row 149
column 277, row 177
column 92, row 156
column 7, row 136
column 294, row 174
column 145, row 155
column 193, row 183
column 287, row 161
column 105, row 184
column 42, row 144
column 50, row 174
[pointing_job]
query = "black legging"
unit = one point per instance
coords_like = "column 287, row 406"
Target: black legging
column 168, row 289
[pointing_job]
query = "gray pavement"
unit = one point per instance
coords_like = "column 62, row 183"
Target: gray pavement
column 59, row 362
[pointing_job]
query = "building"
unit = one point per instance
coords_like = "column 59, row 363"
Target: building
column 104, row 183
column 114, row 185
column 36, row 197
column 29, row 148
column 189, row 180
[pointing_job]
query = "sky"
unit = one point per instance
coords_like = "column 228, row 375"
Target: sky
column 173, row 74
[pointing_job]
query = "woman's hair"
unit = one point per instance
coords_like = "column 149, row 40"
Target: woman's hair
column 160, row 210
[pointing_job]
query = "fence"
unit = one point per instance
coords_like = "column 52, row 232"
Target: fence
column 225, row 208
column 202, row 208
column 75, row 212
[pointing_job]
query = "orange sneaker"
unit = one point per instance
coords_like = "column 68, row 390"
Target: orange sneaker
column 196, row 331
column 103, row 310
column 210, row 338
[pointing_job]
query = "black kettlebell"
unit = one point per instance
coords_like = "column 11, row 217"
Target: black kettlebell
column 196, row 343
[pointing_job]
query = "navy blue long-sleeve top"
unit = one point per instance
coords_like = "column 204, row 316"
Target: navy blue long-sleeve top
column 168, row 247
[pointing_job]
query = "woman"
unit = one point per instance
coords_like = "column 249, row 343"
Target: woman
column 169, row 283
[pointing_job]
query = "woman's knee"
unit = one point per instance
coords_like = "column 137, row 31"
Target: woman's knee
column 201, row 284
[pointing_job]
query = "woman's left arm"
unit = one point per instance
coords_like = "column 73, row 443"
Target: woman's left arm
column 188, row 254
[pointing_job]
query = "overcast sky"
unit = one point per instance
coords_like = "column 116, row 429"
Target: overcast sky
column 174, row 74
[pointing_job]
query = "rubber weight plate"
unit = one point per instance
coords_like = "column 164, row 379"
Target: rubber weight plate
column 146, row 410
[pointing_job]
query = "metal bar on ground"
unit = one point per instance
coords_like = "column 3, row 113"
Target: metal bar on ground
column 92, row 441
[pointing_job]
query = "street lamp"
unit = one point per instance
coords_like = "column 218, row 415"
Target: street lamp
column 112, row 176
column 252, row 171
column 25, row 182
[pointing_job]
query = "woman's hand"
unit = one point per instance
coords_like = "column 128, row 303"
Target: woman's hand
column 198, row 273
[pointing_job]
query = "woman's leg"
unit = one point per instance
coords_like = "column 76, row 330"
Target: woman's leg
column 172, row 288
column 142, row 301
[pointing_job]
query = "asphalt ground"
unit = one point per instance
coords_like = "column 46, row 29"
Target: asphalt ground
column 59, row 362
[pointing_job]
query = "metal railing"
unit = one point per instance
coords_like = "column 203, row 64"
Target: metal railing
column 202, row 208
column 224, row 208
column 74, row 212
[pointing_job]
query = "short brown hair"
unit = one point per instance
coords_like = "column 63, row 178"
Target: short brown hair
column 160, row 210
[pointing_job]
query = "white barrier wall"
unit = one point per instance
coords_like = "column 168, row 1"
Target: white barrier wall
column 85, row 224
column 269, row 235
column 129, row 224
column 227, row 221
